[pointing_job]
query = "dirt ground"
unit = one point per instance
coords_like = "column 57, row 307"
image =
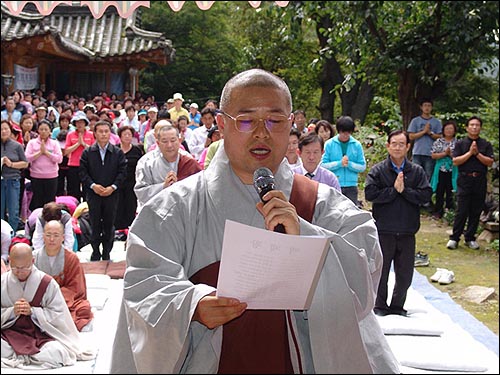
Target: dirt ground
column 471, row 267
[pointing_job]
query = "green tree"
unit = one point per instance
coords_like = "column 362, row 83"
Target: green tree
column 271, row 38
column 425, row 46
column 206, row 55
column 353, row 51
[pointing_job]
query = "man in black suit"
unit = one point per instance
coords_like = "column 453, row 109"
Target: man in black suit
column 103, row 168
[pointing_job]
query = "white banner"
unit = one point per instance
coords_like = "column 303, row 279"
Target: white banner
column 25, row 78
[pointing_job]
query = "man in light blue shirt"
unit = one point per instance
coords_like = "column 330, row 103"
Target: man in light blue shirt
column 423, row 131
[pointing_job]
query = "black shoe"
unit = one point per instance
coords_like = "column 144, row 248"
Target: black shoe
column 95, row 257
column 105, row 257
column 398, row 311
column 381, row 311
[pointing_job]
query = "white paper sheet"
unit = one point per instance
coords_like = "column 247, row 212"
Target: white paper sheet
column 270, row 270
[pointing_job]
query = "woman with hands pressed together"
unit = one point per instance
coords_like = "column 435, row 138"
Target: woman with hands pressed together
column 44, row 155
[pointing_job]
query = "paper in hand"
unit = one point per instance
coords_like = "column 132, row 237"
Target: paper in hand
column 270, row 270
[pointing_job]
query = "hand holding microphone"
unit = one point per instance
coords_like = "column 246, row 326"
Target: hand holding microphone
column 279, row 214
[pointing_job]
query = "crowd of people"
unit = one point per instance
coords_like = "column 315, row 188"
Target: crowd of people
column 135, row 166
column 50, row 136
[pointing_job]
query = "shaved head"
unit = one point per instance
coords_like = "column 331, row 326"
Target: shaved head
column 53, row 237
column 54, row 225
column 21, row 260
column 20, row 252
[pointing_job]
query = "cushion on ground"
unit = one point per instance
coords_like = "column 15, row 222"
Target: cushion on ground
column 116, row 270
column 437, row 353
column 98, row 267
column 413, row 324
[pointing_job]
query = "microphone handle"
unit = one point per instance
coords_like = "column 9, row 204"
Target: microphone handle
column 279, row 228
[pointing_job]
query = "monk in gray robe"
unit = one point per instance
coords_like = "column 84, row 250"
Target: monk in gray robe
column 171, row 321
column 37, row 329
column 64, row 266
column 165, row 165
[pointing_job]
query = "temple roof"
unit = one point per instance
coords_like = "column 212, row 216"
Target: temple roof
column 75, row 30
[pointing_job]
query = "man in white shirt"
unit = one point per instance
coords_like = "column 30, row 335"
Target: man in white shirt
column 199, row 137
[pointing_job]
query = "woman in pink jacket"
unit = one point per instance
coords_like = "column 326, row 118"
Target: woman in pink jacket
column 44, row 155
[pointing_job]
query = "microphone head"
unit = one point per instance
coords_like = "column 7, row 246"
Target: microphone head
column 263, row 180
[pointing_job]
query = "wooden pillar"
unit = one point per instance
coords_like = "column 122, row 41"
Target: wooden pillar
column 8, row 70
column 43, row 84
column 133, row 72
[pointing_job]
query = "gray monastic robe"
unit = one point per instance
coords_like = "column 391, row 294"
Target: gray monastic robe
column 53, row 318
column 180, row 231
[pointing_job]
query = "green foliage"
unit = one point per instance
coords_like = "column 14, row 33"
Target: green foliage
column 468, row 93
column 494, row 245
column 443, row 42
column 274, row 39
column 206, row 55
column 384, row 111
column 449, row 217
column 421, row 47
column 373, row 140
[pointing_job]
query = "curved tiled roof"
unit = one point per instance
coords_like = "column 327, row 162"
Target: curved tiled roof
column 79, row 32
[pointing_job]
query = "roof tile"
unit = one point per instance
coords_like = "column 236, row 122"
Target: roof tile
column 78, row 30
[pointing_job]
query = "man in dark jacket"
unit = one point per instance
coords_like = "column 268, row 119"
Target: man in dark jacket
column 103, row 168
column 397, row 188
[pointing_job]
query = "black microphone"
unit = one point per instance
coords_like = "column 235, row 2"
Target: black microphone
column 263, row 181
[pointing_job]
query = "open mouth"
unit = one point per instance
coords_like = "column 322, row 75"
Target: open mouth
column 260, row 151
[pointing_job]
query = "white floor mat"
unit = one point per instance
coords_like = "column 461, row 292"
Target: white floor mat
column 427, row 341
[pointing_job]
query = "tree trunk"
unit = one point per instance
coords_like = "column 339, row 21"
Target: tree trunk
column 330, row 75
column 327, row 83
column 408, row 103
column 355, row 103
column 361, row 104
column 348, row 99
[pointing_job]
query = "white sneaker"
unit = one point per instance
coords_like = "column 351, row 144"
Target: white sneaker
column 439, row 272
column 447, row 278
column 472, row 244
column 452, row 244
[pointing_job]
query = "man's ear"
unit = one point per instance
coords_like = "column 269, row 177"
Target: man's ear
column 219, row 119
